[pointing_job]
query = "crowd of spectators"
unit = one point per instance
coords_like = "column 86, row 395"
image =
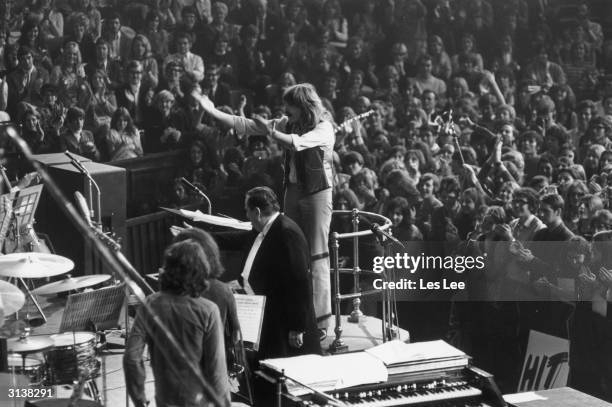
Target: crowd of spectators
column 483, row 121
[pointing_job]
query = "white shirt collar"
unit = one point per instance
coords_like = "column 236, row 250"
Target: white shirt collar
column 269, row 223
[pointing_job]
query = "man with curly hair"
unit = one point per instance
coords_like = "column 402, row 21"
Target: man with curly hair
column 194, row 322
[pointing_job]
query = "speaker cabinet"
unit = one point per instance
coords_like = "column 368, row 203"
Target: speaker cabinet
column 64, row 236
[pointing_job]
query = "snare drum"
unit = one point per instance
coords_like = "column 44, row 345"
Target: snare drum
column 34, row 368
column 72, row 350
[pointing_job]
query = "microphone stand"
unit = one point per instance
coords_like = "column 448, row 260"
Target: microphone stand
column 199, row 192
column 386, row 240
column 90, row 182
column 173, row 352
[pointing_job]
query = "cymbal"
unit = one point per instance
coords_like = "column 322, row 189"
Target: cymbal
column 34, row 265
column 70, row 284
column 29, row 344
column 11, row 298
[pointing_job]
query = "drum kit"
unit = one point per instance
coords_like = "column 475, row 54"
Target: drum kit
column 46, row 360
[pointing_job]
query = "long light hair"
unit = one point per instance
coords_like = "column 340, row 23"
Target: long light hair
column 71, row 46
column 305, row 97
column 147, row 44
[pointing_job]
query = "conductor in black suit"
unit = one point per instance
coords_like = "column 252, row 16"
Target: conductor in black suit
column 276, row 266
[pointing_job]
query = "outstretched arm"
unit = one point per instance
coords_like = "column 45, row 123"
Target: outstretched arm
column 209, row 107
column 240, row 124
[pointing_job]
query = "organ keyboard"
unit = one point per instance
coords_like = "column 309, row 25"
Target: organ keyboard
column 467, row 386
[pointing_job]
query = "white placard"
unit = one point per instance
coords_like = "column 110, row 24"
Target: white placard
column 250, row 310
column 546, row 363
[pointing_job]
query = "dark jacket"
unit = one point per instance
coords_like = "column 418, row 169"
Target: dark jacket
column 310, row 171
column 125, row 99
column 548, row 249
column 280, row 271
column 196, row 325
column 112, row 70
column 222, row 95
column 17, row 92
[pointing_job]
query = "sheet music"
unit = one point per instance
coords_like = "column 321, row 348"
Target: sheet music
column 250, row 309
column 326, row 373
column 526, row 397
column 371, row 369
column 395, row 352
column 198, row 216
column 312, row 370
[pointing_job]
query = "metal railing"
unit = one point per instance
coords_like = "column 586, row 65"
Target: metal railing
column 356, row 315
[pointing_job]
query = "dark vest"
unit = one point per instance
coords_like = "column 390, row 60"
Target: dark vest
column 309, row 169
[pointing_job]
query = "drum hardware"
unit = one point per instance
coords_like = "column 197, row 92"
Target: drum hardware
column 24, row 239
column 33, row 265
column 31, row 367
column 118, row 264
column 68, row 357
column 27, row 344
column 23, row 346
column 71, row 353
column 71, row 284
column 11, row 298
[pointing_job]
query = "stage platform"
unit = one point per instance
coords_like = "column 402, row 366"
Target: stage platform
column 360, row 336
column 357, row 336
column 561, row 397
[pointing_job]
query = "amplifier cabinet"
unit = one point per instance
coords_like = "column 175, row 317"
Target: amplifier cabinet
column 64, row 236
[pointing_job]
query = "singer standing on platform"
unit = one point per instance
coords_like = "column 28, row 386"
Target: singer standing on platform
column 307, row 135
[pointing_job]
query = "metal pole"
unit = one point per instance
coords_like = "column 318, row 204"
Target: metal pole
column 337, row 345
column 92, row 215
column 279, row 389
column 356, row 315
column 36, row 304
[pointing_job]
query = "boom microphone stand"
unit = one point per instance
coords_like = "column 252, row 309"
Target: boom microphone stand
column 199, row 192
column 90, row 182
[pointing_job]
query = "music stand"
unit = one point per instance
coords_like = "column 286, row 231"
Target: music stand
column 24, row 206
column 101, row 307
